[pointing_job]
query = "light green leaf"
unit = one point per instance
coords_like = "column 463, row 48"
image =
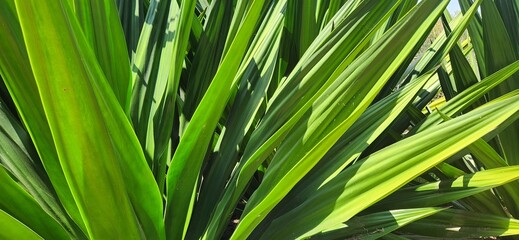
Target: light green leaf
column 376, row 176
column 349, row 147
column 18, row 157
column 332, row 51
column 469, row 96
column 13, row 229
column 31, row 214
column 335, row 111
column 15, row 67
column 437, row 193
column 151, row 104
column 102, row 161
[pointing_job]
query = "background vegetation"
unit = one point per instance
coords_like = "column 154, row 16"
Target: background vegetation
column 263, row 119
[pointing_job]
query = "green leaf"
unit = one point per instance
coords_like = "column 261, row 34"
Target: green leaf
column 18, row 157
column 254, row 81
column 151, row 103
column 350, row 146
column 448, row 88
column 453, row 223
column 31, row 214
column 437, row 193
column 103, row 31
column 463, row 74
column 454, row 36
column 316, row 70
column 335, row 111
column 469, row 96
column 132, row 15
column 499, row 52
column 510, row 15
column 490, row 159
column 376, row 225
column 208, row 54
column 475, row 30
column 304, row 26
column 181, row 179
column 157, row 67
column 391, row 236
column 17, row 75
column 382, row 173
column 102, row 160
column 13, row 229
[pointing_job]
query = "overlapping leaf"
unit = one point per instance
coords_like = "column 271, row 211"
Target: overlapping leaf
column 100, row 166
column 374, row 177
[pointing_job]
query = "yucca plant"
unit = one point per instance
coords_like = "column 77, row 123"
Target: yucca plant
column 263, row 119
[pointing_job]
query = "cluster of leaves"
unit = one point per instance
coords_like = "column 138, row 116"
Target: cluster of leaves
column 263, row 119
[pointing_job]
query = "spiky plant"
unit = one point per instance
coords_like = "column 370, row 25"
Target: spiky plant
column 263, row 119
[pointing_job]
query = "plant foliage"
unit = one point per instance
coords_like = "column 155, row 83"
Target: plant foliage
column 262, row 119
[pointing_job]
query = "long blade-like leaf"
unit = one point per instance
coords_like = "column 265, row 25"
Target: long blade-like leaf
column 376, row 225
column 434, row 194
column 13, row 229
column 14, row 66
column 331, row 52
column 335, row 111
column 457, row 224
column 101, row 159
column 31, row 214
column 373, row 178
column 188, row 158
column 102, row 28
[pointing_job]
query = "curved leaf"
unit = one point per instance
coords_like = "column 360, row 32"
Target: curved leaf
column 437, row 193
column 31, row 214
column 382, row 173
column 12, row 229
